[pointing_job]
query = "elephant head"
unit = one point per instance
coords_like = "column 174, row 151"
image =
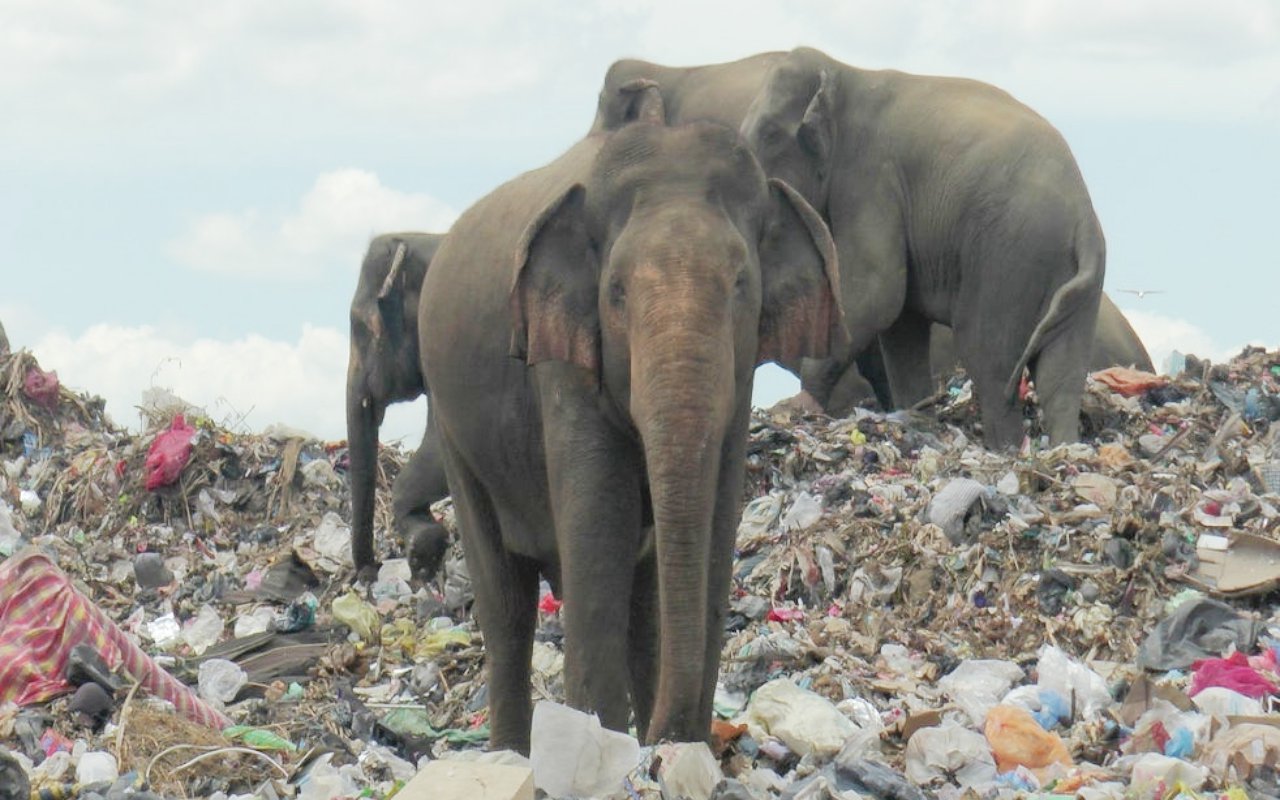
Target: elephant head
column 384, row 366
column 669, row 274
column 792, row 123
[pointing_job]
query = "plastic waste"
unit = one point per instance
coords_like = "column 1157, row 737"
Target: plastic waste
column 806, row 722
column 1233, row 672
column 573, row 755
column 169, row 454
column 362, row 618
column 323, row 781
column 258, row 737
column 30, row 502
column 96, row 767
column 871, row 778
column 951, row 506
column 1246, row 748
column 688, row 770
column 9, row 536
column 1062, row 674
column 805, row 510
column 220, row 680
column 1163, row 728
column 165, row 631
column 14, row 782
column 975, row 685
column 332, row 540
column 1154, row 774
column 1221, row 702
column 299, row 615
column 949, row 751
column 204, row 629
column 1017, row 740
column 758, row 520
column 150, row 572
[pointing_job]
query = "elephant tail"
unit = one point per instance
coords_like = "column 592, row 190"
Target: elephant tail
column 1091, row 256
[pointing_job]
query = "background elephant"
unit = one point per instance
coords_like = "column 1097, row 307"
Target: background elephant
column 950, row 202
column 641, row 277
column 385, row 368
column 1115, row 344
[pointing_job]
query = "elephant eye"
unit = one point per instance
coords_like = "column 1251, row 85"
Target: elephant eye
column 617, row 294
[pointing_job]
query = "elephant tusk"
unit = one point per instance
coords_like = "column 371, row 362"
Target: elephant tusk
column 393, row 272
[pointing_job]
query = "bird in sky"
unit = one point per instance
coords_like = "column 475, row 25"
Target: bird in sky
column 1141, row 293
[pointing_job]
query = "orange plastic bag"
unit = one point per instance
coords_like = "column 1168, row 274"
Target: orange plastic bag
column 1016, row 739
column 1128, row 382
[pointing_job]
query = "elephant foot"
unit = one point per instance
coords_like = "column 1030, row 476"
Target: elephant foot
column 427, row 547
column 368, row 573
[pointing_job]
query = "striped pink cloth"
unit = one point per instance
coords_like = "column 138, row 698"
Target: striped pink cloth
column 42, row 617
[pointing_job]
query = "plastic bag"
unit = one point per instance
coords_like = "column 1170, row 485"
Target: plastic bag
column 357, row 615
column 1017, row 740
column 806, row 722
column 220, row 680
column 978, row 684
column 1069, row 678
column 169, row 454
column 948, row 750
column 41, row 387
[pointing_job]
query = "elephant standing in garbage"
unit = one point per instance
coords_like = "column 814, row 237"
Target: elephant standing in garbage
column 1115, row 344
column 385, row 368
column 590, row 331
column 949, row 201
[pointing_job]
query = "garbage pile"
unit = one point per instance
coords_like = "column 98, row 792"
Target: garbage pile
column 912, row 615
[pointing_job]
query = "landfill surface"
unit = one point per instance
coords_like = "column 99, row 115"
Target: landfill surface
column 912, row 615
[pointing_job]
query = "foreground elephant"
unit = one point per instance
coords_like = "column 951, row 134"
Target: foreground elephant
column 1115, row 344
column 949, row 201
column 385, row 368
column 641, row 278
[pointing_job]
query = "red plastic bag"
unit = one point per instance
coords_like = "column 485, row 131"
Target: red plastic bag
column 1232, row 672
column 41, row 387
column 169, row 453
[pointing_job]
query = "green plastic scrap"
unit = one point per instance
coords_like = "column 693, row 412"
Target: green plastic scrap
column 258, row 738
column 414, row 722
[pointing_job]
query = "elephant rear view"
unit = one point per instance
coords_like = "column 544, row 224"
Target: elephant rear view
column 950, row 202
column 384, row 368
column 638, row 280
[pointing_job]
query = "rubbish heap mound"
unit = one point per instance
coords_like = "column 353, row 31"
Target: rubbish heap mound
column 912, row 615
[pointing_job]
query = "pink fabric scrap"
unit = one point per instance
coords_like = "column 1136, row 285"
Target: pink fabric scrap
column 1232, row 673
column 169, row 454
column 41, row 387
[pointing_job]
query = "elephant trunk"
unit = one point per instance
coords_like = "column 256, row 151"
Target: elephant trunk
column 364, row 415
column 681, row 396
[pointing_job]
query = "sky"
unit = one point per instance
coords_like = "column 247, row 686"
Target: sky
column 187, row 188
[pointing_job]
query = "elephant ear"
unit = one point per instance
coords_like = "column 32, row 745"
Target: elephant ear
column 391, row 299
column 817, row 131
column 800, row 313
column 554, row 297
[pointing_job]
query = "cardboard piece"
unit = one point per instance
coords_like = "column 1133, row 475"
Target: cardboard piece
column 1249, row 564
column 469, row 780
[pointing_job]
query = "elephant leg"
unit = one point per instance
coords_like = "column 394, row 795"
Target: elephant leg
column 643, row 641
column 419, row 485
column 506, row 589
column 906, row 359
column 871, row 368
column 850, row 391
column 989, row 369
column 594, row 477
column 1059, row 374
column 821, row 378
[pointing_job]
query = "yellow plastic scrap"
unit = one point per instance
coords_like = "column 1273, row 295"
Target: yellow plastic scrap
column 400, row 635
column 357, row 615
column 436, row 642
column 857, row 437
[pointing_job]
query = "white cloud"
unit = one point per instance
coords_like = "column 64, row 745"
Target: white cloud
column 330, row 227
column 247, row 383
column 1163, row 334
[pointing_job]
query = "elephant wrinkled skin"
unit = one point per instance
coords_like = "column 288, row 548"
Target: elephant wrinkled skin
column 385, row 368
column 949, row 201
column 638, row 279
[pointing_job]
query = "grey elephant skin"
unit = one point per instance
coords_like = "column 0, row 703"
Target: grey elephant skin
column 1115, row 344
column 949, row 201
column 590, row 331
column 384, row 368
